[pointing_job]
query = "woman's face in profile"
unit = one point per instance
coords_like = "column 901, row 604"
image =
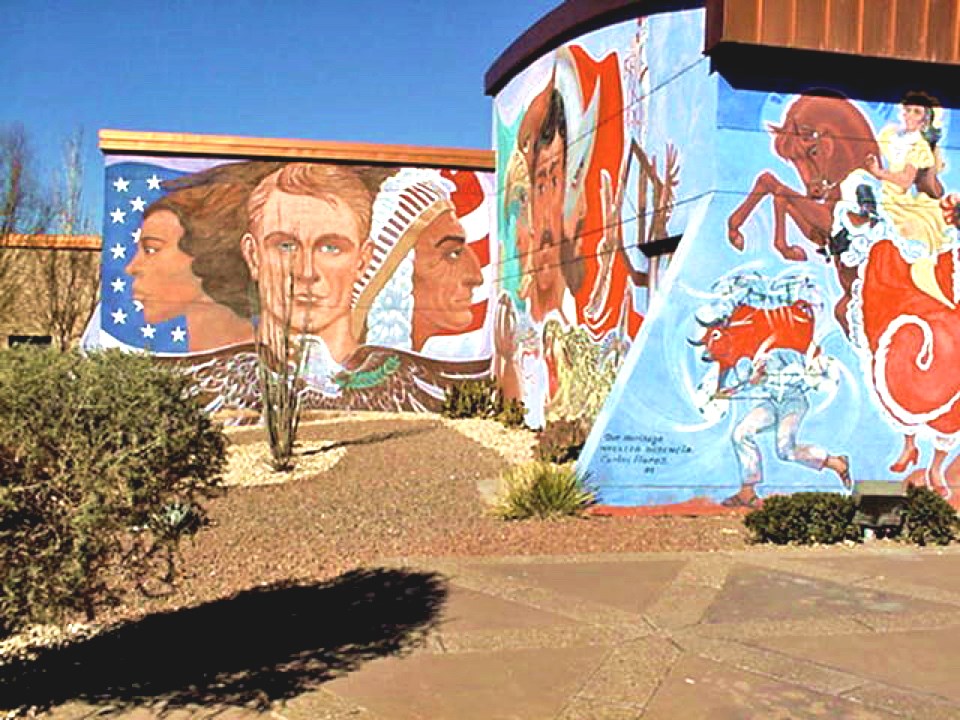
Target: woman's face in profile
column 162, row 277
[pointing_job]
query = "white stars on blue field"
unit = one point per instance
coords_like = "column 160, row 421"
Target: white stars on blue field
column 130, row 189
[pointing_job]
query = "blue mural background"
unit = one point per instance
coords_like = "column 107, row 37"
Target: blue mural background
column 652, row 405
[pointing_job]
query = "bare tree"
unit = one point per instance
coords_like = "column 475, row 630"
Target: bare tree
column 23, row 210
column 70, row 277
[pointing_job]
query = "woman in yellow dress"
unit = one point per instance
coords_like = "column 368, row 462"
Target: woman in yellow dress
column 910, row 190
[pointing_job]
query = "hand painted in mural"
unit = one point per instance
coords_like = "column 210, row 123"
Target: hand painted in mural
column 506, row 360
column 764, row 356
column 580, row 373
column 188, row 264
column 652, row 187
column 825, row 138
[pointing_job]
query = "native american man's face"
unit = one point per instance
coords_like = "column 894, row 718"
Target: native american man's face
column 445, row 272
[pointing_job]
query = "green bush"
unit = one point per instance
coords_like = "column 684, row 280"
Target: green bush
column 470, row 399
column 928, row 518
column 562, row 440
column 512, row 413
column 482, row 399
column 104, row 461
column 804, row 518
column 543, row 490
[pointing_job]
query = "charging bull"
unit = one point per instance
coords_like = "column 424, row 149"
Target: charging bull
column 748, row 331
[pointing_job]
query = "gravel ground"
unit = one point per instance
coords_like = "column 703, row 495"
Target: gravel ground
column 397, row 488
column 374, row 488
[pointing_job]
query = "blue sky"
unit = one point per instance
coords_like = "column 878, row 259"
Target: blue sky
column 407, row 72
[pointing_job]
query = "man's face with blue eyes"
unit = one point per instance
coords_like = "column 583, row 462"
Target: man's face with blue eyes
column 315, row 243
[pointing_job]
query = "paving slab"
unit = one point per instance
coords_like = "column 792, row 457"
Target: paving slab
column 754, row 635
column 467, row 610
column 751, row 592
column 631, row 674
column 507, row 685
column 938, row 571
column 630, row 586
column 924, row 661
column 700, row 689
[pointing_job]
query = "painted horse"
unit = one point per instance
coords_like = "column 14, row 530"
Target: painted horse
column 825, row 138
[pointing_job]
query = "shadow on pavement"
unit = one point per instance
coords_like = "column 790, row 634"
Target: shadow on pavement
column 256, row 647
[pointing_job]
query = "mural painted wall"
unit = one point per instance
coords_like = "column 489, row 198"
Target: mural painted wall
column 807, row 329
column 384, row 274
column 591, row 176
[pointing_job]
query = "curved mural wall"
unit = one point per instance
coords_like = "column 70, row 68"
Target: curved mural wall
column 751, row 292
column 597, row 170
column 383, row 273
column 805, row 338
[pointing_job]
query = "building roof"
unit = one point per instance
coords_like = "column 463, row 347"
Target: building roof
column 564, row 23
column 166, row 143
column 788, row 43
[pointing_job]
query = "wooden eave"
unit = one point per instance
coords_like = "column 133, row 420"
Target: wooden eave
column 21, row 241
column 166, row 143
column 926, row 31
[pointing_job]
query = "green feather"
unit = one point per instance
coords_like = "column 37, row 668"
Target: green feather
column 365, row 379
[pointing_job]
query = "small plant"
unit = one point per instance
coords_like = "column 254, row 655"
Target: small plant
column 482, row 399
column 562, row 440
column 928, row 518
column 512, row 414
column 177, row 519
column 543, row 490
column 470, row 399
column 804, row 518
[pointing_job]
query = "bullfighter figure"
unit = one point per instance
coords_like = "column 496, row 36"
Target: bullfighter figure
column 766, row 356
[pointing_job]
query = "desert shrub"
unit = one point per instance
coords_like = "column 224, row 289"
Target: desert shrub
column 928, row 518
column 804, row 518
column 104, row 463
column 511, row 413
column 562, row 440
column 543, row 490
column 481, row 399
column 470, row 399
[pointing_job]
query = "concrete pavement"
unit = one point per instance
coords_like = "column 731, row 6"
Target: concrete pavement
column 858, row 633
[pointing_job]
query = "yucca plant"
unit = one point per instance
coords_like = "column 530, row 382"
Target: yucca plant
column 543, row 490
